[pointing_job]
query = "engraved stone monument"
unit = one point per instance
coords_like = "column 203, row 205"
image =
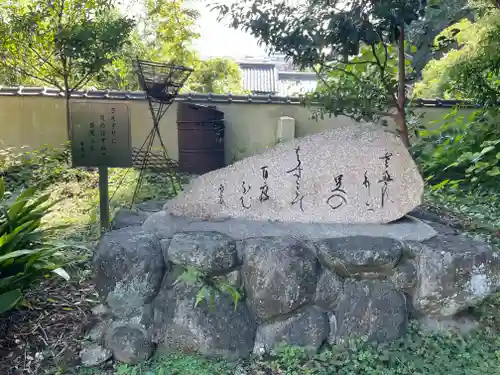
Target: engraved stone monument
column 345, row 175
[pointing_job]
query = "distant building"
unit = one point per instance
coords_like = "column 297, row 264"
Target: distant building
column 275, row 76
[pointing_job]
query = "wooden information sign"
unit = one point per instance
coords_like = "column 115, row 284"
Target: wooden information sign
column 100, row 135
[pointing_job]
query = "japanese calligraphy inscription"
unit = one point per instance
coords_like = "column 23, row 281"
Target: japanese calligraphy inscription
column 100, row 134
column 344, row 175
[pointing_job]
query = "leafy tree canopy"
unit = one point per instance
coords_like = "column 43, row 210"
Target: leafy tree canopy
column 217, row 75
column 347, row 43
column 70, row 44
column 313, row 32
column 166, row 31
column 61, row 43
column 470, row 71
column 422, row 32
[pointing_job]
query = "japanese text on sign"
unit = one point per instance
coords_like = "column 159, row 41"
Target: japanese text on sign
column 100, row 135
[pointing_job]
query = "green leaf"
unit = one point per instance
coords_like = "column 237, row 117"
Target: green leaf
column 212, row 298
column 495, row 171
column 9, row 299
column 487, row 149
column 2, row 189
column 200, row 296
column 16, row 254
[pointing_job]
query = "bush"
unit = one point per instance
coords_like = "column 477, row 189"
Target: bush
column 44, row 166
column 25, row 255
column 462, row 150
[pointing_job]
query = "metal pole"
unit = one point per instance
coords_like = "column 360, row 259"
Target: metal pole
column 104, row 199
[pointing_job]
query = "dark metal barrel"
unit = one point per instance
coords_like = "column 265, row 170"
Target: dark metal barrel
column 201, row 138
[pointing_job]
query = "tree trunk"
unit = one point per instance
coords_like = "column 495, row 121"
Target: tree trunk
column 401, row 114
column 68, row 115
column 67, row 96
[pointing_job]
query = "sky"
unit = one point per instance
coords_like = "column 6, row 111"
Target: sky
column 216, row 39
column 219, row 40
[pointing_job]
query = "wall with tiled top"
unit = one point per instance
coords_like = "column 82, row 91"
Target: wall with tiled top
column 35, row 116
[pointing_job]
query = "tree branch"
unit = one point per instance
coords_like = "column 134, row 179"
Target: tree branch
column 382, row 73
column 85, row 79
column 44, row 60
column 25, row 72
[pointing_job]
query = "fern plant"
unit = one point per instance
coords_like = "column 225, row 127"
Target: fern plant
column 210, row 286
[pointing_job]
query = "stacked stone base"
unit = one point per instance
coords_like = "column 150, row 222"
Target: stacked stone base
column 297, row 288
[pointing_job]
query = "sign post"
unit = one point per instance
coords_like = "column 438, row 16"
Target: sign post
column 100, row 137
column 103, row 199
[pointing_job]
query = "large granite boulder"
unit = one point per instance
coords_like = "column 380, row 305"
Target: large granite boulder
column 344, row 175
column 279, row 275
column 369, row 308
column 128, row 218
column 454, row 272
column 211, row 252
column 179, row 325
column 356, row 255
column 129, row 341
column 128, row 270
column 125, row 217
column 307, row 328
column 328, row 290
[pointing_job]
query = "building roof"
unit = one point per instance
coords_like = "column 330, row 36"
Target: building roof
column 194, row 97
column 259, row 77
column 264, row 78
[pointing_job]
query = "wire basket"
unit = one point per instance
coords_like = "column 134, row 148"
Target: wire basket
column 161, row 81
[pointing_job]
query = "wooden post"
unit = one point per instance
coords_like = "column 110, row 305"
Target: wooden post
column 104, row 199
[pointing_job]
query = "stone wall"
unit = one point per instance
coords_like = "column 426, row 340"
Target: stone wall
column 302, row 284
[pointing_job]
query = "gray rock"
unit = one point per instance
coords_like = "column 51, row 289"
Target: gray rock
column 128, row 218
column 328, row 291
column 332, row 333
column 422, row 214
column 233, row 278
column 94, row 355
column 165, row 244
column 444, row 229
column 101, row 310
column 165, row 225
column 150, row 206
column 307, row 328
column 405, row 276
column 279, row 275
column 129, row 342
column 128, row 268
column 432, row 218
column 462, row 325
column 210, row 252
column 179, row 325
column 360, row 255
column 373, row 309
column 98, row 331
column 455, row 272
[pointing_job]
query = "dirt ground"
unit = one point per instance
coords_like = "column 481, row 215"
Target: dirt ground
column 44, row 336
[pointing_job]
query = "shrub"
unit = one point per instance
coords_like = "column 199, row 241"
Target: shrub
column 44, row 166
column 462, row 149
column 25, row 255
